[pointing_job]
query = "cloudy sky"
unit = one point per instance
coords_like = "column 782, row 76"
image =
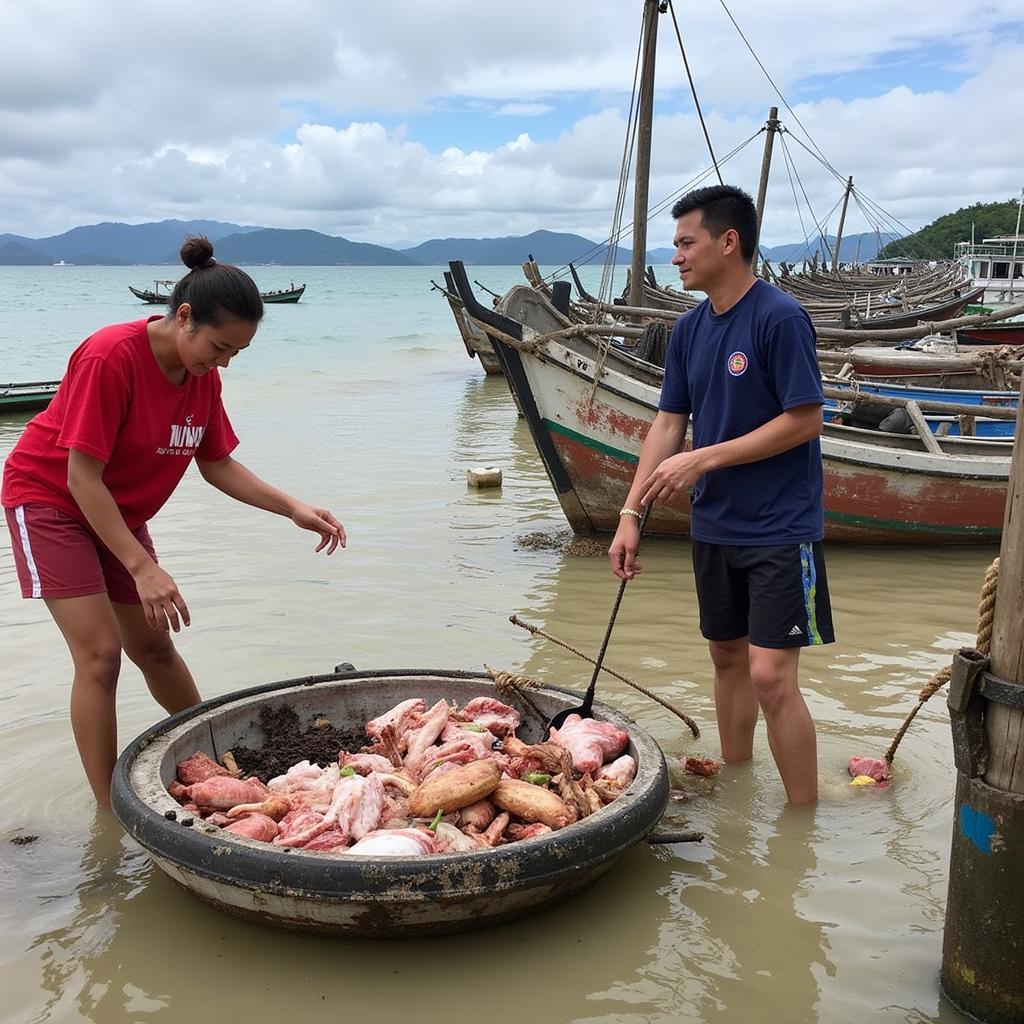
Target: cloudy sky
column 398, row 121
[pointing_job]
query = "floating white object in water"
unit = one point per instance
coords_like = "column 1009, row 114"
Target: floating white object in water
column 484, row 476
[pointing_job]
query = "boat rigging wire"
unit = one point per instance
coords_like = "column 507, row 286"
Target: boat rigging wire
column 693, row 91
column 659, row 207
column 778, row 92
column 817, row 221
column 632, row 126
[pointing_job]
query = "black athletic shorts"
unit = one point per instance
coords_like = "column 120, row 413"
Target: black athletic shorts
column 777, row 596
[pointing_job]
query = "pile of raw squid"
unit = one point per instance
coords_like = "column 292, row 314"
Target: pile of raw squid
column 443, row 779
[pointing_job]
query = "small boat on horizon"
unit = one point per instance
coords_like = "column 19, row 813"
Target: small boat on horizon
column 160, row 293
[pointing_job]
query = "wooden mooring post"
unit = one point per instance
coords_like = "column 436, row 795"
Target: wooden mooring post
column 983, row 946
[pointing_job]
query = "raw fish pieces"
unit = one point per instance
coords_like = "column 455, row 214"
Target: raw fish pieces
column 395, row 842
column 199, row 768
column 222, row 792
column 492, row 714
column 400, row 718
column 590, row 742
column 254, row 826
column 441, row 779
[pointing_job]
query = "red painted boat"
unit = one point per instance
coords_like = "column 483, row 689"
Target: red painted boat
column 589, row 437
column 1003, row 333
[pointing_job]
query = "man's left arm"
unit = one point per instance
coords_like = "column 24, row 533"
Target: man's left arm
column 676, row 475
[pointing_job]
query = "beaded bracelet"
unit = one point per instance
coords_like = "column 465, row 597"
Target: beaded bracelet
column 630, row 512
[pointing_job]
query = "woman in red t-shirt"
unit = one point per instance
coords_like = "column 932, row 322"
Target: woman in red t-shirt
column 139, row 401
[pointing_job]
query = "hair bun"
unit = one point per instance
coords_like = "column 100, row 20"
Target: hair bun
column 197, row 252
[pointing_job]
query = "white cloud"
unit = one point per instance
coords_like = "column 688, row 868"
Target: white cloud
column 524, row 109
column 381, row 123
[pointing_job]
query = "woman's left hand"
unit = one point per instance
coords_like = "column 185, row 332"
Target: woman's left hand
column 319, row 520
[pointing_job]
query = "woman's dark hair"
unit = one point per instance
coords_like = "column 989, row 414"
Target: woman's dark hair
column 214, row 291
column 723, row 207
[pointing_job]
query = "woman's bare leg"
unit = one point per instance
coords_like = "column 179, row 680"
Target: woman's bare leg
column 165, row 672
column 91, row 633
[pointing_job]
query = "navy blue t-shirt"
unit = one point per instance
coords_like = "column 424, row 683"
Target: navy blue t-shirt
column 733, row 373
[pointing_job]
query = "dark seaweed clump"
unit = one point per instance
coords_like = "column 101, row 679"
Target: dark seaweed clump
column 286, row 743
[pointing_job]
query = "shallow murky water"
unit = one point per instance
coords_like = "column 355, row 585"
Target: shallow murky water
column 361, row 398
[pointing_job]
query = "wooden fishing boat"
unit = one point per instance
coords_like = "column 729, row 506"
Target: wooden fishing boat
column 980, row 425
column 1004, row 333
column 475, row 339
column 588, row 420
column 30, row 396
column 160, row 293
column 282, row 295
column 361, row 896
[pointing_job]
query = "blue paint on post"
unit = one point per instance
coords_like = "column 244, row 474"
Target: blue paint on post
column 978, row 827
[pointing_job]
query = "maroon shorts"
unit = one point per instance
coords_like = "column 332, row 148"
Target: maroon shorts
column 56, row 556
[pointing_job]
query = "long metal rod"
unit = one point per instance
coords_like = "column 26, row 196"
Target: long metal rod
column 588, row 700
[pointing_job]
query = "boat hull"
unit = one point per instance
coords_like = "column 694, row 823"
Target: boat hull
column 17, row 398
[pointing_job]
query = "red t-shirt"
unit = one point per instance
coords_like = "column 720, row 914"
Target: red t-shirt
column 116, row 404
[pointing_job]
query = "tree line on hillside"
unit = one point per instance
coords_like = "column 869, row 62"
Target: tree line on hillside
column 936, row 240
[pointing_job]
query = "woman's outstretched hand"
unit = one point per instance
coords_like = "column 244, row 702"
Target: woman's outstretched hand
column 319, row 520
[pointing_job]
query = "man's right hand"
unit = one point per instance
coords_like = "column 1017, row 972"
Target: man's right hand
column 161, row 600
column 624, row 546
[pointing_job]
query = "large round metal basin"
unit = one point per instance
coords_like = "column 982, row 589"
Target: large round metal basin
column 358, row 895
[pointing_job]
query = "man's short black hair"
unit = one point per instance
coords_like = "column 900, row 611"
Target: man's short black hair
column 723, row 207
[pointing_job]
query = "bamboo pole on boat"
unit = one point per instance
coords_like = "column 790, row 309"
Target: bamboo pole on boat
column 995, row 412
column 771, row 127
column 842, row 221
column 919, row 363
column 645, row 120
column 924, row 432
column 919, row 329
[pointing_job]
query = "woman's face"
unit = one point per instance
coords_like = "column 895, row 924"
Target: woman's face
column 201, row 347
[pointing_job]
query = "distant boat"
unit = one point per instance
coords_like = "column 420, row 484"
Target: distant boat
column 28, row 397
column 62, row 263
column 160, row 293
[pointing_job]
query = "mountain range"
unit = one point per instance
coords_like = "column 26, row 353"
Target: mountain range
column 115, row 244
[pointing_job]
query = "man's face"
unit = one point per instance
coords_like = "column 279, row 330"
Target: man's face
column 699, row 256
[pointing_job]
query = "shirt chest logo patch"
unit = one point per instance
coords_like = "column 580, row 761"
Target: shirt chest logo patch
column 737, row 364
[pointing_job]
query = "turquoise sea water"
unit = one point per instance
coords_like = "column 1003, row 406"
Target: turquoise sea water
column 362, row 398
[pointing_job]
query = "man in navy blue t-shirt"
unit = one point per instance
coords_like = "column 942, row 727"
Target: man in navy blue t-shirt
column 743, row 366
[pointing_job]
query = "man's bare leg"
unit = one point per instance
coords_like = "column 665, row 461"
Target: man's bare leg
column 791, row 734
column 735, row 699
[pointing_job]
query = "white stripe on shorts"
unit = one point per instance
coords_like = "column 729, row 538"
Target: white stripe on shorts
column 19, row 515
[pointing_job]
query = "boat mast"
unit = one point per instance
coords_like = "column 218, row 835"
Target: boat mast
column 1016, row 236
column 645, row 120
column 771, row 127
column 842, row 221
